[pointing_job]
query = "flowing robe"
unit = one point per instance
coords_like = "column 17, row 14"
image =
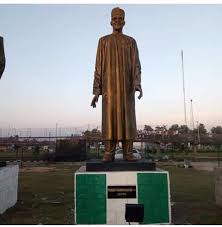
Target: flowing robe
column 2, row 57
column 117, row 73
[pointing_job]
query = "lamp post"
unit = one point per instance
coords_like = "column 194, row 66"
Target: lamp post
column 184, row 95
column 198, row 133
column 56, row 137
column 191, row 110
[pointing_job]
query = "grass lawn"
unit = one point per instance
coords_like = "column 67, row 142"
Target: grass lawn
column 197, row 155
column 27, row 155
column 192, row 194
column 46, row 196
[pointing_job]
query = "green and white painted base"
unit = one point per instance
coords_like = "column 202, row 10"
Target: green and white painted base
column 92, row 205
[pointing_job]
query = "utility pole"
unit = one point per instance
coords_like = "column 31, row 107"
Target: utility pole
column 184, row 94
column 44, row 132
column 49, row 136
column 56, row 129
column 191, row 110
column 198, row 132
column 9, row 130
column 56, row 137
column 15, row 132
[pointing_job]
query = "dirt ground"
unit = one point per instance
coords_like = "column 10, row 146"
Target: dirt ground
column 45, row 194
column 207, row 166
column 37, row 169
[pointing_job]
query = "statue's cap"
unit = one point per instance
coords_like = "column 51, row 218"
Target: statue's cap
column 117, row 10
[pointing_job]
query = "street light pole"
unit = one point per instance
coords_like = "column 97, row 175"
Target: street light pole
column 56, row 129
column 56, row 137
column 184, row 96
column 192, row 118
column 198, row 132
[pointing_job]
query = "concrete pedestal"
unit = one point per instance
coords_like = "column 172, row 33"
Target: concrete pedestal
column 101, row 197
column 8, row 187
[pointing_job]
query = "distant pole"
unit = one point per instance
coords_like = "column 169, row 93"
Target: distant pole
column 8, row 130
column 56, row 137
column 22, row 157
column 198, row 132
column 191, row 109
column 48, row 148
column 56, row 129
column 184, row 96
column 45, row 132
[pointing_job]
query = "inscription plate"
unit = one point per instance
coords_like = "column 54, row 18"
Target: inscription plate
column 116, row 192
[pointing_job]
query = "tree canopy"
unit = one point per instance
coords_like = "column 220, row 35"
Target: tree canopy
column 217, row 130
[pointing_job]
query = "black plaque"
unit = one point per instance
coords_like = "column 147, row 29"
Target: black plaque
column 117, row 192
column 120, row 165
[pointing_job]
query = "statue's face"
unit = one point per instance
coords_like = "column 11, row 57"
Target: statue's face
column 117, row 21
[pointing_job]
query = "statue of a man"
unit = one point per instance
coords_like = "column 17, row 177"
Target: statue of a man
column 2, row 57
column 117, row 77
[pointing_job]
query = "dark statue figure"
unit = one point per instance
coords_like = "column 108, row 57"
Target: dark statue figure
column 2, row 57
column 2, row 67
column 117, row 77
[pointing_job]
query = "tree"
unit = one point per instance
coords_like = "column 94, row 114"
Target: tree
column 95, row 130
column 202, row 129
column 148, row 128
column 95, row 133
column 184, row 129
column 86, row 133
column 162, row 127
column 161, row 130
column 217, row 130
column 174, row 127
column 36, row 150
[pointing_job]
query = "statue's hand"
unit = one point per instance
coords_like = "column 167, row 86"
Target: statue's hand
column 139, row 89
column 94, row 101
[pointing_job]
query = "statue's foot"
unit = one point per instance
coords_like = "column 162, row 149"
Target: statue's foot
column 129, row 157
column 108, row 157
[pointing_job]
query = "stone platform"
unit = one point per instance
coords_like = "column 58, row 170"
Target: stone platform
column 8, row 186
column 120, row 165
column 101, row 197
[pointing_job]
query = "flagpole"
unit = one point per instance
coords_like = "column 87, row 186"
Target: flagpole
column 184, row 96
column 191, row 108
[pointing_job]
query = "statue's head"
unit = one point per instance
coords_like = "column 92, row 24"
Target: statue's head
column 117, row 18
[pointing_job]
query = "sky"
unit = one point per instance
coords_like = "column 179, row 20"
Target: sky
column 51, row 50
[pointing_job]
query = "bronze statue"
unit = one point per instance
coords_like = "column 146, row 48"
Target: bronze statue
column 117, row 77
column 2, row 57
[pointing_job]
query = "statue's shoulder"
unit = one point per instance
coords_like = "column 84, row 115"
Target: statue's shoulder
column 105, row 38
column 129, row 38
column 1, row 38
